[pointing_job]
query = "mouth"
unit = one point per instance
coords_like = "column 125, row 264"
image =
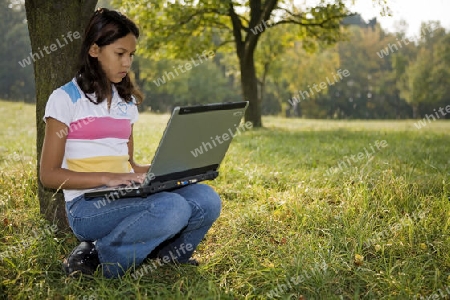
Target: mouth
column 123, row 74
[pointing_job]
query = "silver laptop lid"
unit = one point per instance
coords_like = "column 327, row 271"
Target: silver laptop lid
column 197, row 138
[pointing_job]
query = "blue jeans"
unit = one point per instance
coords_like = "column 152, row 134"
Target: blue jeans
column 127, row 230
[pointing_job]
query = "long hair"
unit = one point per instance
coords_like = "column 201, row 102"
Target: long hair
column 104, row 28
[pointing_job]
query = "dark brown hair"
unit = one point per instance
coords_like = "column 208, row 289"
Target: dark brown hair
column 104, row 28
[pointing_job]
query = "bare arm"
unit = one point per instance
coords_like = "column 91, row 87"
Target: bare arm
column 53, row 176
column 136, row 167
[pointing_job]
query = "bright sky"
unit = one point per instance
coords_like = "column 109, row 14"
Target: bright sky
column 412, row 11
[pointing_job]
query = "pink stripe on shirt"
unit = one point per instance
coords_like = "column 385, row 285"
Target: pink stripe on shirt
column 93, row 128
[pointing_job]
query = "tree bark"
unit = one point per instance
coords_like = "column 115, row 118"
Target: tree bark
column 250, row 89
column 49, row 24
column 415, row 109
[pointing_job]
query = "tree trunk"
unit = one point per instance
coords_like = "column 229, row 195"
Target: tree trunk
column 262, row 83
column 415, row 109
column 250, row 89
column 55, row 54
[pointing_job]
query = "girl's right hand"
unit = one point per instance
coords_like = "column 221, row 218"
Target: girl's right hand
column 116, row 179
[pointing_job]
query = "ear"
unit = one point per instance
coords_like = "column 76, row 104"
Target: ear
column 94, row 50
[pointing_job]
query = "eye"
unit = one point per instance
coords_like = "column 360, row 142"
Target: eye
column 120, row 53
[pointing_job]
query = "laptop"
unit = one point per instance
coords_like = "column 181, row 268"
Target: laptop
column 191, row 149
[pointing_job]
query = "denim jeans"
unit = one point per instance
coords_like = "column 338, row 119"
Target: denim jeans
column 127, row 230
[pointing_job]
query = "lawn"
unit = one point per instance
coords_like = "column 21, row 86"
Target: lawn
column 312, row 209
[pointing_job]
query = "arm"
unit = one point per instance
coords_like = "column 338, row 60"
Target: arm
column 53, row 176
column 136, row 167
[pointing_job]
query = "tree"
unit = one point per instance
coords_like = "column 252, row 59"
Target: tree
column 50, row 25
column 304, row 70
column 425, row 80
column 184, row 29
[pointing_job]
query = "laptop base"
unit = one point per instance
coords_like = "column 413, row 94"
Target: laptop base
column 152, row 188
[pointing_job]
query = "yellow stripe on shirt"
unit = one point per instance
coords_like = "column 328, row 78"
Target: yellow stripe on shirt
column 114, row 164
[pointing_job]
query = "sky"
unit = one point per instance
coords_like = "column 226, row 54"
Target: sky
column 412, row 11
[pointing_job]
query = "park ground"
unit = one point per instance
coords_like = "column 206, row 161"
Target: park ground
column 312, row 209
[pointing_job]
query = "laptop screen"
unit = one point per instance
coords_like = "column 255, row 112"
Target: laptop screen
column 197, row 138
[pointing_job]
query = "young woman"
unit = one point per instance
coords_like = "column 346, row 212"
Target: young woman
column 89, row 143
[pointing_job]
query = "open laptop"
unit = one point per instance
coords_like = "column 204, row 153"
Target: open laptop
column 191, row 149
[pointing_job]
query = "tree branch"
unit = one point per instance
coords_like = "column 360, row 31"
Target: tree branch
column 222, row 44
column 288, row 12
column 221, row 25
column 199, row 12
column 319, row 24
column 245, row 20
column 237, row 27
column 255, row 13
column 252, row 39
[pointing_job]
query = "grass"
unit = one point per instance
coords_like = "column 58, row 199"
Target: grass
column 296, row 222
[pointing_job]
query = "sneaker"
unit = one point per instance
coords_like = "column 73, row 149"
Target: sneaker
column 83, row 259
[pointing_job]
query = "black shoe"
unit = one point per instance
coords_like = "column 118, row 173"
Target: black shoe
column 83, row 259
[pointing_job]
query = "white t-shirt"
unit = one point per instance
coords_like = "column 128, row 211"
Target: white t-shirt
column 96, row 138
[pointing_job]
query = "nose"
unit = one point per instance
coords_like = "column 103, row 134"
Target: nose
column 126, row 62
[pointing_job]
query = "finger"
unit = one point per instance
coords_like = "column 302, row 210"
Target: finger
column 140, row 178
column 130, row 183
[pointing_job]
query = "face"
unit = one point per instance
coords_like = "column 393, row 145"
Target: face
column 116, row 58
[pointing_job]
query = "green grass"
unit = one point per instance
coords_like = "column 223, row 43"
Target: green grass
column 374, row 229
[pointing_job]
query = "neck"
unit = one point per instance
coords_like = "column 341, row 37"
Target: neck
column 109, row 94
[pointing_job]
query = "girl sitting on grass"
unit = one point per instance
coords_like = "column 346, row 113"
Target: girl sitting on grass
column 97, row 110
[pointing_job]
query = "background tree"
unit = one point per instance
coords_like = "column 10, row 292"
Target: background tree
column 441, row 70
column 47, row 22
column 424, row 84
column 416, row 85
column 304, row 67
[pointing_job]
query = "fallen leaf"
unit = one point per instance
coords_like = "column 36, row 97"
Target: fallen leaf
column 359, row 259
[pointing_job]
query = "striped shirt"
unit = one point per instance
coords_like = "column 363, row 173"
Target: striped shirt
column 96, row 137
